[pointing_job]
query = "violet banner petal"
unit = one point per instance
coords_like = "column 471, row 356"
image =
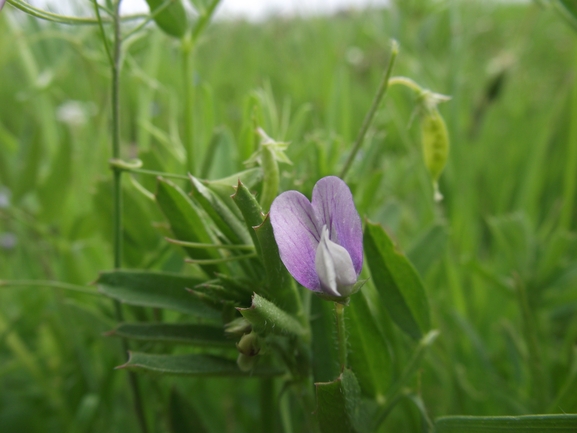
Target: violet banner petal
column 297, row 234
column 334, row 206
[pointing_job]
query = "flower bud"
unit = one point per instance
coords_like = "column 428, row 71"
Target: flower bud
column 238, row 326
column 245, row 363
column 249, row 345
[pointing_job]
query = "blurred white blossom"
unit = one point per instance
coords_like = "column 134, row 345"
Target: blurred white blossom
column 8, row 241
column 75, row 113
column 355, row 56
column 5, row 194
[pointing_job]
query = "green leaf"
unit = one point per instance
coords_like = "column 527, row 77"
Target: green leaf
column 339, row 405
column 497, row 424
column 369, row 354
column 250, row 178
column 225, row 188
column 226, row 221
column 266, row 317
column 186, row 222
column 172, row 19
column 397, row 282
column 182, row 333
column 193, row 365
column 250, row 209
column 154, row 289
column 182, row 416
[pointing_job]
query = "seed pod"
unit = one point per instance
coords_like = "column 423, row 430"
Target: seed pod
column 435, row 139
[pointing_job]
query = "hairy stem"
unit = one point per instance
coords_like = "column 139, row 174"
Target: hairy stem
column 341, row 335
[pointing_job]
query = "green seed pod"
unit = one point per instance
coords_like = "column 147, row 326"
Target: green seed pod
column 435, row 139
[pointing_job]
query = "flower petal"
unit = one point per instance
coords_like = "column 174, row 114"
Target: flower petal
column 297, row 234
column 334, row 267
column 334, row 206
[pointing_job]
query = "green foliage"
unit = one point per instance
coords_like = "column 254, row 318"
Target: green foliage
column 497, row 256
column 179, row 333
column 154, row 289
column 227, row 222
column 521, row 424
column 397, row 282
column 193, row 365
column 186, row 222
column 339, row 405
column 370, row 356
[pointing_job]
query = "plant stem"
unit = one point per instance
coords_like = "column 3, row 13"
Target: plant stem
column 570, row 178
column 407, row 82
column 63, row 19
column 203, row 20
column 341, row 335
column 48, row 283
column 154, row 173
column 187, row 50
column 117, row 192
column 539, row 385
column 117, row 179
column 371, row 113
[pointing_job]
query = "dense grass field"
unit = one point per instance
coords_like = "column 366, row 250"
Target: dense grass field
column 498, row 256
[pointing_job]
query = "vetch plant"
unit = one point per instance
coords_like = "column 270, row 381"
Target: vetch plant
column 320, row 242
column 234, row 310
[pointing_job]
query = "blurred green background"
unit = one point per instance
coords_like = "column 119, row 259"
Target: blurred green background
column 498, row 255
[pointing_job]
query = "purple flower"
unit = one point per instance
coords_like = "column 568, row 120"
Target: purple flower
column 320, row 243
